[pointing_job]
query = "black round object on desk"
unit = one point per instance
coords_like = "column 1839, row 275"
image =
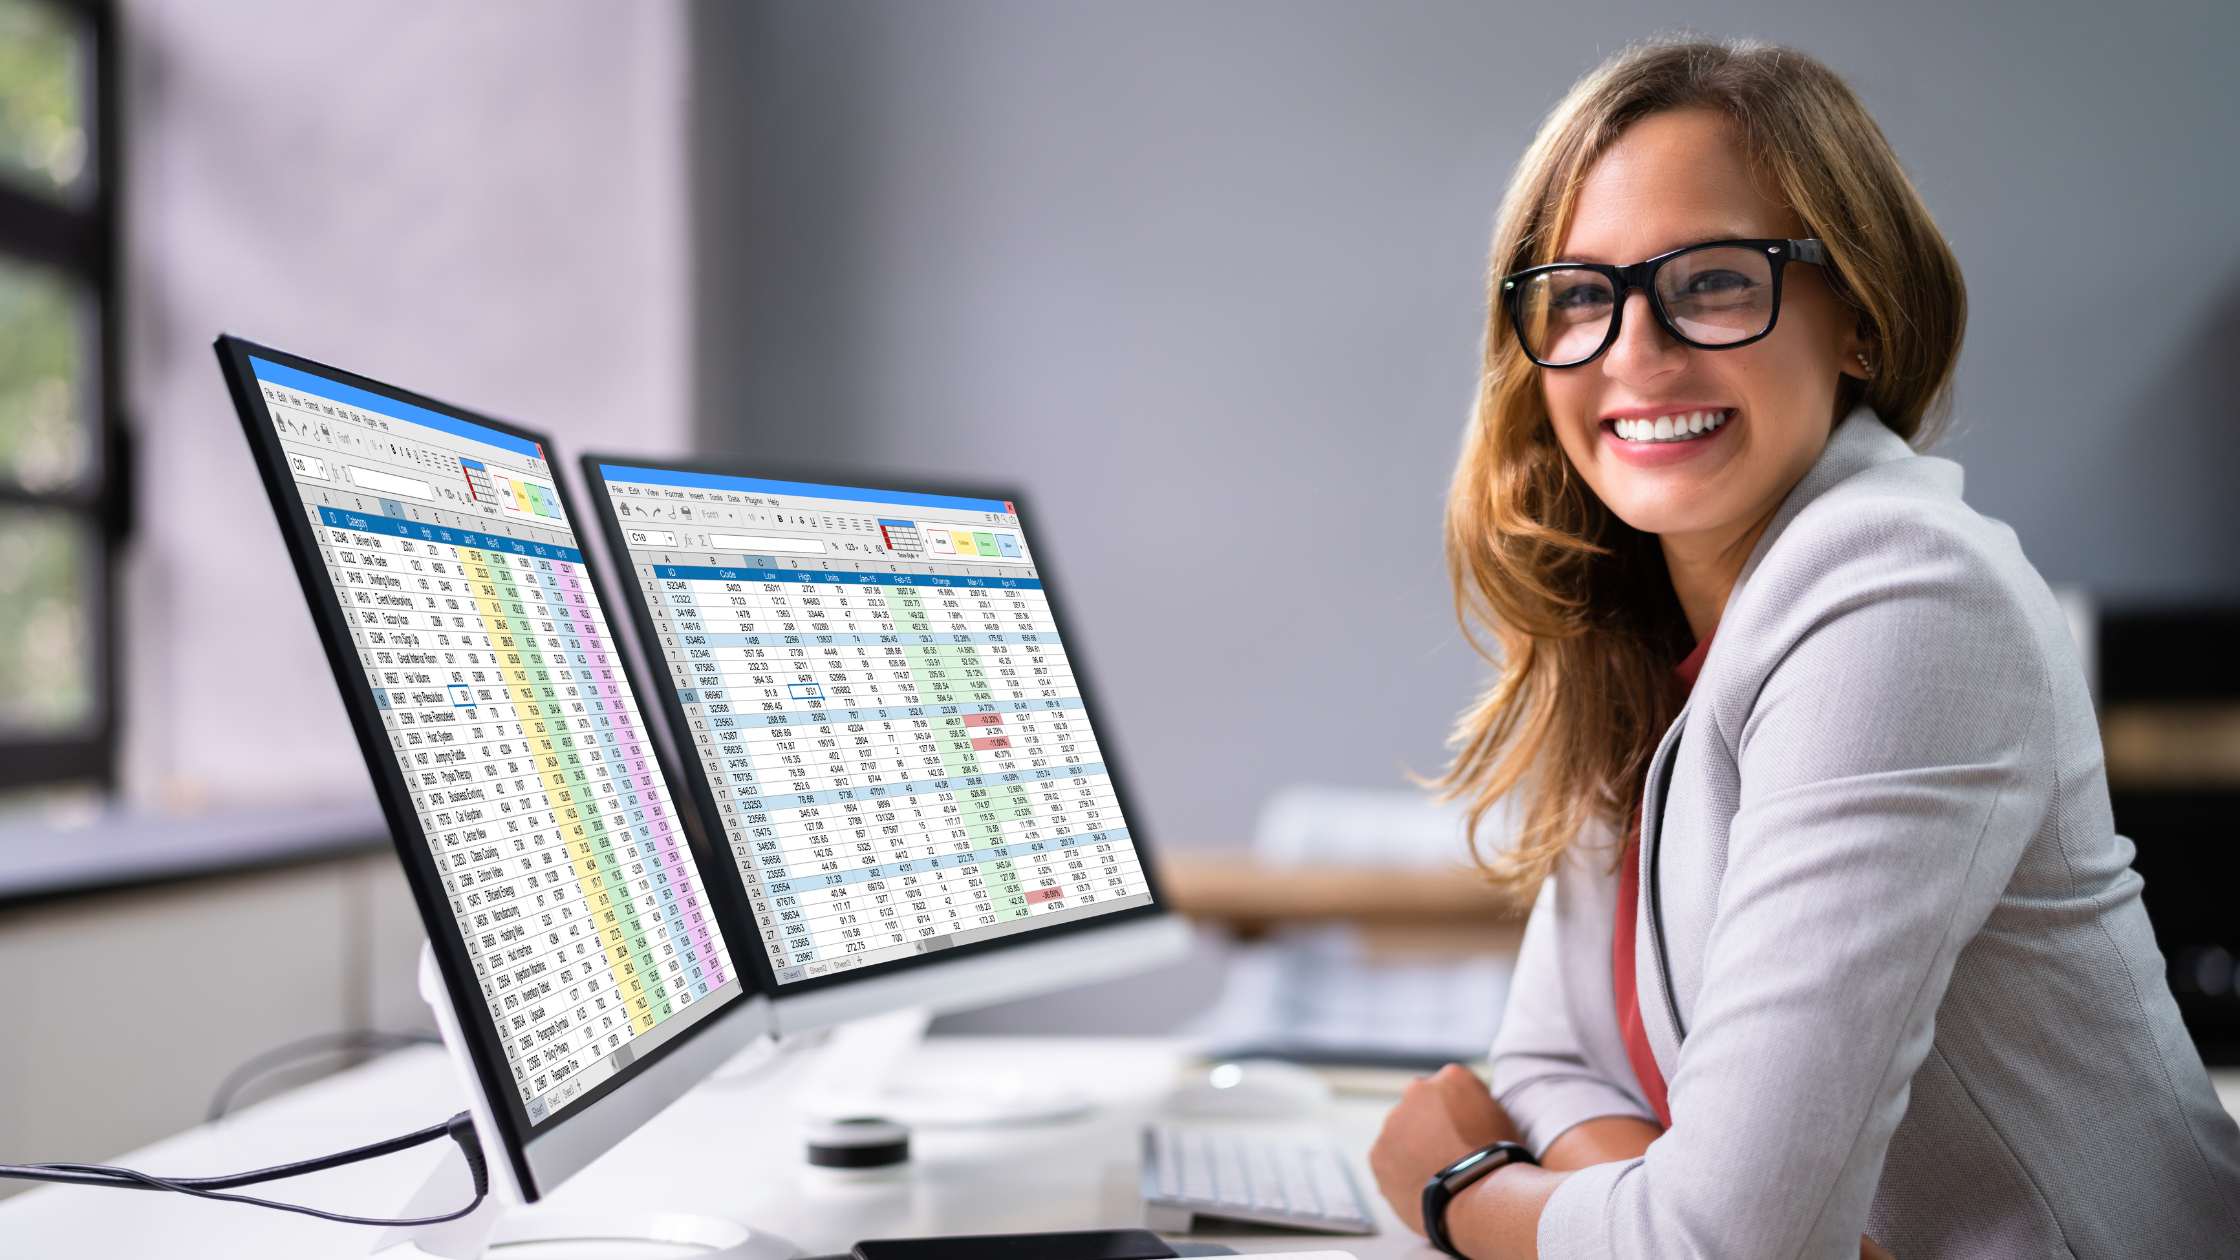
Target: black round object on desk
column 861, row 1142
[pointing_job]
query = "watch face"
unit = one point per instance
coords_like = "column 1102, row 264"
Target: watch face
column 1481, row 1162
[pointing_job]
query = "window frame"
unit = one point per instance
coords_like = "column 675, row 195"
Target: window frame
column 79, row 238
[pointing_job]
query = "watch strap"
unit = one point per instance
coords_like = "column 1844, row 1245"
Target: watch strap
column 1458, row 1176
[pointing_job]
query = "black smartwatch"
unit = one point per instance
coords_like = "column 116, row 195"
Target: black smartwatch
column 1458, row 1176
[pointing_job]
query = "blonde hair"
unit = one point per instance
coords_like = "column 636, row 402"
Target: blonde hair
column 1580, row 603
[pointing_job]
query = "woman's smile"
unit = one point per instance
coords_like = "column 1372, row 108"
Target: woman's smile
column 1663, row 437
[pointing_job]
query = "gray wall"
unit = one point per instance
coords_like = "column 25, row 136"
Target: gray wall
column 1206, row 279
column 483, row 203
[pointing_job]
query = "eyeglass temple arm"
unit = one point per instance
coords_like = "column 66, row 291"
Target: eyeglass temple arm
column 1808, row 251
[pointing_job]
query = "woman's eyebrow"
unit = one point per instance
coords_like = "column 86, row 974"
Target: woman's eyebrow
column 1711, row 238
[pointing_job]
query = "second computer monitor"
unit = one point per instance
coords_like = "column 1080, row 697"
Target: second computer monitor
column 888, row 723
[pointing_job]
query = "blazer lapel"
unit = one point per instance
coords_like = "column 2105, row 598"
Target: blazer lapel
column 1660, row 1007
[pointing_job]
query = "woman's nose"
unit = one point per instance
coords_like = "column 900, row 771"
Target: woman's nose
column 1643, row 350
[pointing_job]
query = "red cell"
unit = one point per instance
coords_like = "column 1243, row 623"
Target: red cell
column 1045, row 894
column 993, row 741
column 983, row 719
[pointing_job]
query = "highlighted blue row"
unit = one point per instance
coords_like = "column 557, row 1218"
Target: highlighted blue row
column 754, row 801
column 886, row 713
column 702, row 573
column 846, row 638
column 1018, row 852
column 450, row 537
column 756, row 485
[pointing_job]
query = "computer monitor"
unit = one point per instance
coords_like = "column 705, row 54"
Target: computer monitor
column 586, row 962
column 879, row 706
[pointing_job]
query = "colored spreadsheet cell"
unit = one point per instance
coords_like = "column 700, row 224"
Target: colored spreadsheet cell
column 901, row 760
column 501, row 691
column 899, row 753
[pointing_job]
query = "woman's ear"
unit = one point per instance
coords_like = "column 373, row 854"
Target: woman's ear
column 1861, row 356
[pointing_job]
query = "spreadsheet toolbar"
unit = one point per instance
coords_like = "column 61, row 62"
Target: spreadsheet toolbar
column 503, row 698
column 881, row 702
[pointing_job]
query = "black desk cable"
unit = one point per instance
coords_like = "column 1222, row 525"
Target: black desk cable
column 359, row 1043
column 459, row 1128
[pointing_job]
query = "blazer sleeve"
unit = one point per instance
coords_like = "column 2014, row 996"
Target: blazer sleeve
column 1887, row 791
column 1542, row 1072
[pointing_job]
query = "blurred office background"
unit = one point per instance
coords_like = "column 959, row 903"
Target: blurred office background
column 1206, row 279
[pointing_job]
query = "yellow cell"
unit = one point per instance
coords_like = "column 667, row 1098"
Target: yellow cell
column 964, row 543
column 619, row 959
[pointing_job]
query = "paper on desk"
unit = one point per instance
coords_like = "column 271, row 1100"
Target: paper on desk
column 1303, row 1255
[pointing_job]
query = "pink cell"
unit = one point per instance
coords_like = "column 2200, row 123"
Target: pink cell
column 1044, row 894
column 984, row 719
column 991, row 741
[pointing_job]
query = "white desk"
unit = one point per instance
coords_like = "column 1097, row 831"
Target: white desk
column 732, row 1148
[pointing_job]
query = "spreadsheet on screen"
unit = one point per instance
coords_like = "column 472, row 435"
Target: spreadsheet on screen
column 878, row 695
column 503, row 698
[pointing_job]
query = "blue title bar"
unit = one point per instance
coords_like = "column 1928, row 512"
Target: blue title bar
column 755, row 485
column 351, row 395
column 364, row 524
column 702, row 573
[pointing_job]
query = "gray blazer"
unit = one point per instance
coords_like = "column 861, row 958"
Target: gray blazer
column 1891, row 954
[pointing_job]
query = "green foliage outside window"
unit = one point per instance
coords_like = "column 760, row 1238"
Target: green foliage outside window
column 46, row 561
column 42, row 425
column 43, row 141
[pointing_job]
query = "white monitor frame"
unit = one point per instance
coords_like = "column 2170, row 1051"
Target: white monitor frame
column 1064, row 957
column 1017, row 971
column 526, row 1161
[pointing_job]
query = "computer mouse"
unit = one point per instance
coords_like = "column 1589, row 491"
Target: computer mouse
column 1250, row 1087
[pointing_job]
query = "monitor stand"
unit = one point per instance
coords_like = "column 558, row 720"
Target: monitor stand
column 856, row 1073
column 504, row 1222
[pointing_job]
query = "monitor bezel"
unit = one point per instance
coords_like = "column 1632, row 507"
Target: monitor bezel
column 703, row 796
column 411, row 841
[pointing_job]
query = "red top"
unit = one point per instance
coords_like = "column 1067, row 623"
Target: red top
column 1636, row 1037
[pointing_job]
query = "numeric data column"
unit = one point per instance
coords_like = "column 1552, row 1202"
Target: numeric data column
column 679, row 904
column 566, row 997
column 621, row 996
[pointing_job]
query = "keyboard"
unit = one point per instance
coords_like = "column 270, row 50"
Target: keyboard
column 1188, row 1173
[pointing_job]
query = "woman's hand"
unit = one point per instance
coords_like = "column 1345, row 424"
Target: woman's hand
column 1447, row 1115
column 1440, row 1119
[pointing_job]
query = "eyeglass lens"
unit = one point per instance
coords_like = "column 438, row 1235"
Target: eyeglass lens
column 1714, row 296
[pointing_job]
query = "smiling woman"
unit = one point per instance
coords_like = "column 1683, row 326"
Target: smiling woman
column 1836, row 948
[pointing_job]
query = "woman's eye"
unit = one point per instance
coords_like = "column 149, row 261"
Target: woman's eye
column 1581, row 297
column 1709, row 283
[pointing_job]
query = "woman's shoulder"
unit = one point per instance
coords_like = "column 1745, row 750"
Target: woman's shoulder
column 1893, row 557
column 1889, row 526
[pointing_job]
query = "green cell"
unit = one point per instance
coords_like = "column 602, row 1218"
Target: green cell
column 1002, row 876
column 619, row 894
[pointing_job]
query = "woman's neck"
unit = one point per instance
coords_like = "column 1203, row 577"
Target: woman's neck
column 1705, row 565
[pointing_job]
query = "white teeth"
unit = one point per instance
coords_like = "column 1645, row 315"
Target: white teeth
column 1678, row 427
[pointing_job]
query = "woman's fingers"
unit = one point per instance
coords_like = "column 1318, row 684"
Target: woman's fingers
column 1418, row 1139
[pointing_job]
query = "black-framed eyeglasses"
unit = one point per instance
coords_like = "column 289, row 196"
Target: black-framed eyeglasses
column 1714, row 296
